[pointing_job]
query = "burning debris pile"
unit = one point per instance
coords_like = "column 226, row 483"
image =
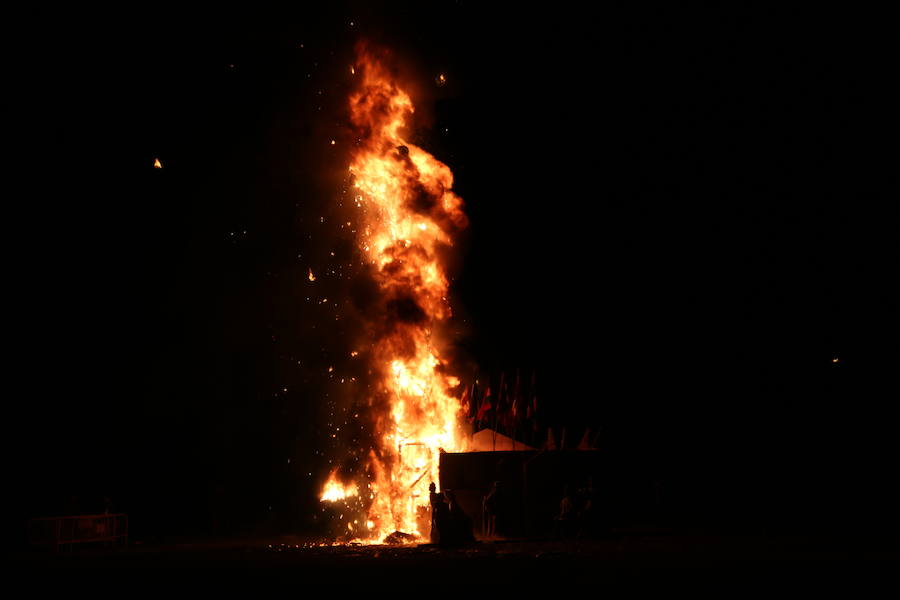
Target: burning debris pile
column 407, row 218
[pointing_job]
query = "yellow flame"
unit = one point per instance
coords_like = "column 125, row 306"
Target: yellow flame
column 404, row 243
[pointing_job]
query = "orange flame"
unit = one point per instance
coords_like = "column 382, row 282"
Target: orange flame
column 157, row 164
column 334, row 490
column 408, row 215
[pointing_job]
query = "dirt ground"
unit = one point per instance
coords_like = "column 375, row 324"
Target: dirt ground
column 657, row 559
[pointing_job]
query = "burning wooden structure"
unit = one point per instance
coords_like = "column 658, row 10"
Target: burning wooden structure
column 419, row 416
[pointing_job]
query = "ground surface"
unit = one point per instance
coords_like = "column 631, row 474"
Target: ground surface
column 721, row 560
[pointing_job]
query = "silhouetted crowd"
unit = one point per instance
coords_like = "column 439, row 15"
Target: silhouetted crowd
column 579, row 513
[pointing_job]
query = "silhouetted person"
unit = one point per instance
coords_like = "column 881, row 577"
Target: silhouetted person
column 587, row 511
column 490, row 507
column 566, row 519
column 439, row 513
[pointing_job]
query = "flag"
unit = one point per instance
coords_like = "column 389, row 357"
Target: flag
column 585, row 443
column 485, row 404
column 466, row 404
column 550, row 444
column 516, row 410
column 500, row 408
column 532, row 406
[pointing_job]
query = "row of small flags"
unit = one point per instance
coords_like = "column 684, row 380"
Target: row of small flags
column 505, row 408
column 513, row 410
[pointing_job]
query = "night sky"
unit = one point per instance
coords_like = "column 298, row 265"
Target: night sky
column 679, row 220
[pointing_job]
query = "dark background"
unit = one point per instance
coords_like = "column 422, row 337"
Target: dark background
column 678, row 219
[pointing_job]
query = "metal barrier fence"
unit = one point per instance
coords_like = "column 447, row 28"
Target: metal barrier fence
column 57, row 532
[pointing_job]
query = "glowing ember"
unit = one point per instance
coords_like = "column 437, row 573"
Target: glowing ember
column 311, row 276
column 407, row 217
